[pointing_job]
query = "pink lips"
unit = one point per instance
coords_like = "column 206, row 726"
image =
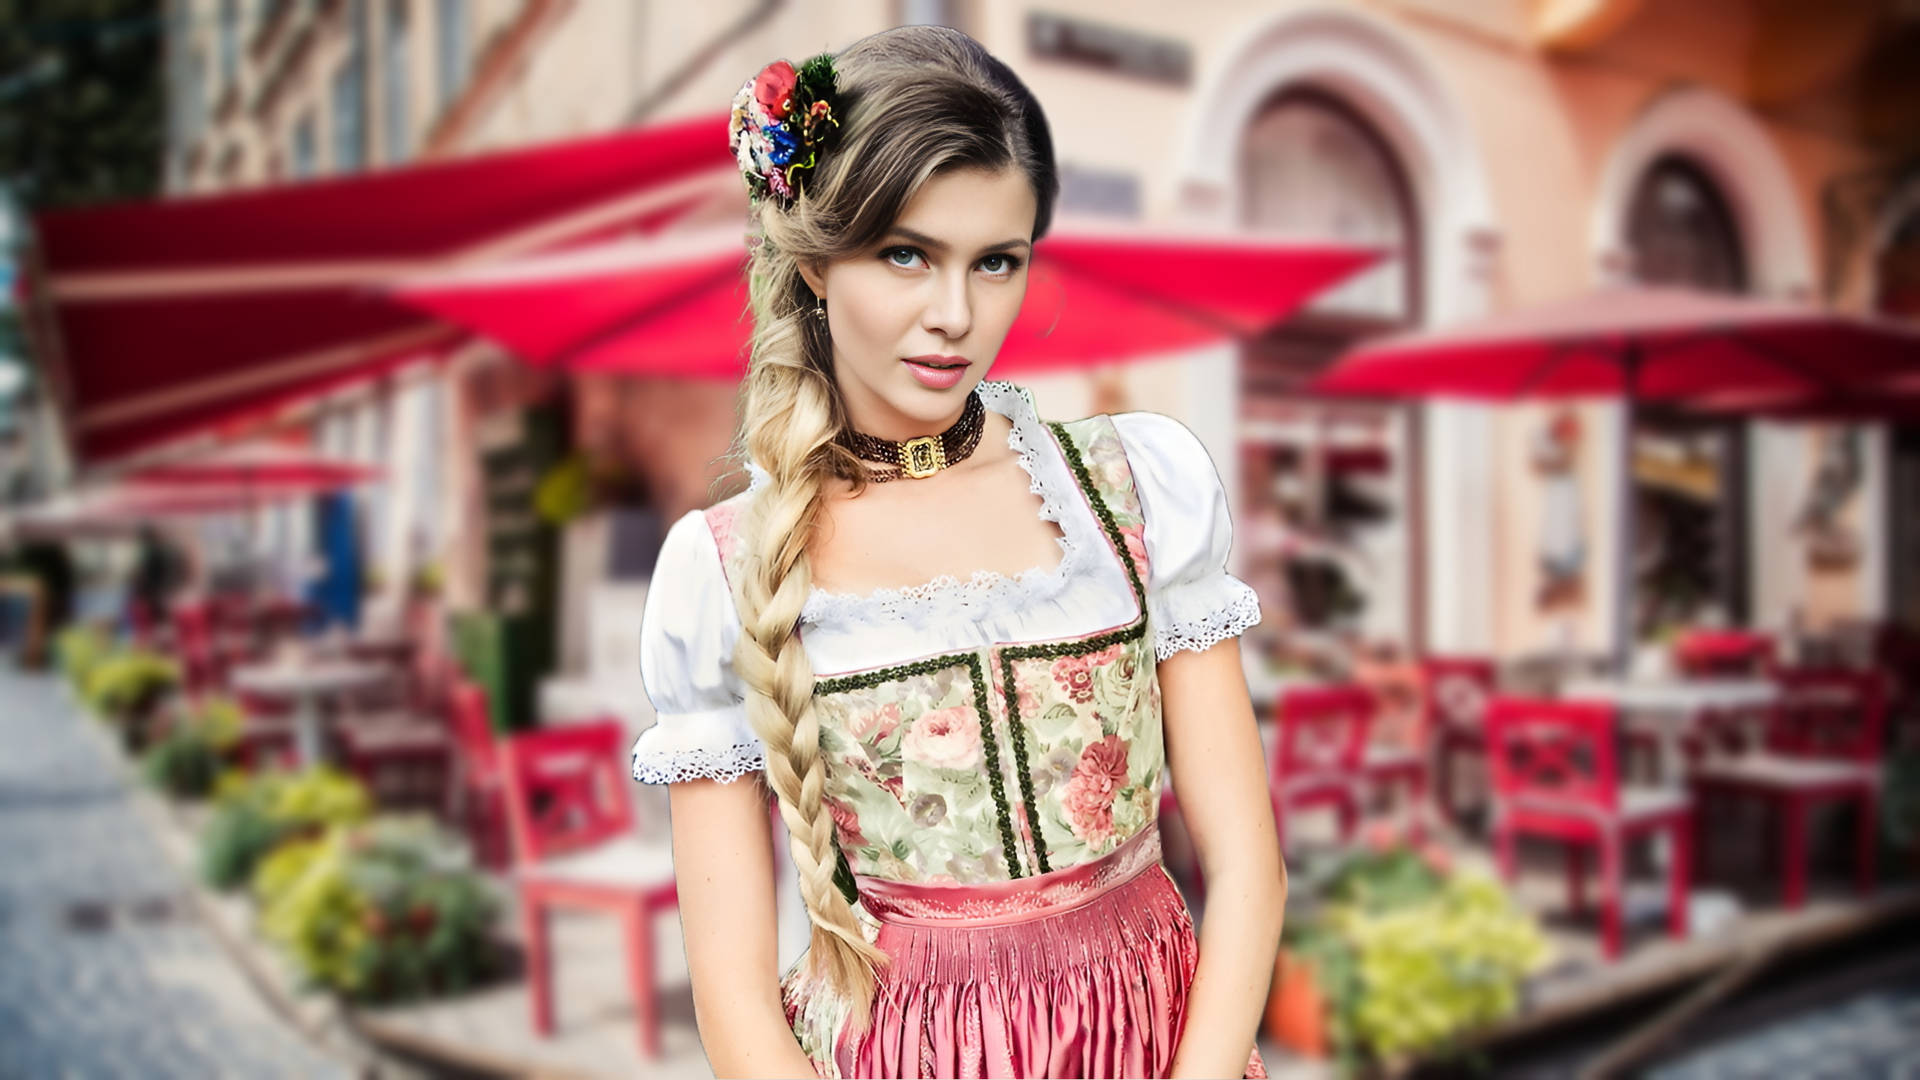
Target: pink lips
column 937, row 378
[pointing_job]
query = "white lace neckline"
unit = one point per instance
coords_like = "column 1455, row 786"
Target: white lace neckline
column 950, row 597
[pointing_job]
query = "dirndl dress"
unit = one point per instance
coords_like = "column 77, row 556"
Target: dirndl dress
column 995, row 812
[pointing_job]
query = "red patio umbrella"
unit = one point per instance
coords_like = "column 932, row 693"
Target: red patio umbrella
column 120, row 509
column 1635, row 343
column 1896, row 401
column 259, row 467
column 676, row 305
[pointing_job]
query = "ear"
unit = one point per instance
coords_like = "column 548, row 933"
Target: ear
column 815, row 277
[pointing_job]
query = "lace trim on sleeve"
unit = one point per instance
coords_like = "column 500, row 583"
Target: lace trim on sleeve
column 697, row 762
column 1198, row 615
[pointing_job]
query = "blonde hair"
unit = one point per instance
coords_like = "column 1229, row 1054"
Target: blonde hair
column 914, row 102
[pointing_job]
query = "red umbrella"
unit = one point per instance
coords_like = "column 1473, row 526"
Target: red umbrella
column 1645, row 343
column 676, row 305
column 260, row 468
column 1896, row 400
column 120, row 509
column 1636, row 343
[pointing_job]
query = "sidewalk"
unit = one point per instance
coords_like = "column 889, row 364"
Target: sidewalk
column 108, row 970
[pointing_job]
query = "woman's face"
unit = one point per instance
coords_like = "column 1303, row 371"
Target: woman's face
column 943, row 285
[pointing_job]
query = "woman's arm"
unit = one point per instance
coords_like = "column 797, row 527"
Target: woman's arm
column 723, row 868
column 1214, row 753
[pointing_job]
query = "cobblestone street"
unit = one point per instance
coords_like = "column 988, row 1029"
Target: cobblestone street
column 107, row 970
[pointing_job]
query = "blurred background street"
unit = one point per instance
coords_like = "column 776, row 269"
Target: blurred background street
column 1561, row 360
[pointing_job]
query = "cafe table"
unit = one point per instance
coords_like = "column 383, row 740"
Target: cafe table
column 306, row 682
column 1669, row 706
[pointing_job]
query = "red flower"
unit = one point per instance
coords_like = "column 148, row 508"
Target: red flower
column 848, row 824
column 1073, row 675
column 773, row 88
column 1096, row 782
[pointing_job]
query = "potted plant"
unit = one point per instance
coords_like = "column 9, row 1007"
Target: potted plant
column 77, row 649
column 255, row 814
column 389, row 910
column 1404, row 954
column 187, row 759
column 127, row 687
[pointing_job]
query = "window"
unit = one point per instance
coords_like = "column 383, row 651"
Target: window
column 1314, row 166
column 1681, row 231
column 399, row 118
column 1693, row 550
column 229, row 42
column 349, row 115
column 450, row 37
column 1344, row 475
column 303, row 148
column 193, row 96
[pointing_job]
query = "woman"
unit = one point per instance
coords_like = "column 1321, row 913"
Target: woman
column 946, row 635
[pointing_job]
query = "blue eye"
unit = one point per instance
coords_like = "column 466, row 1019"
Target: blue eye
column 1008, row 263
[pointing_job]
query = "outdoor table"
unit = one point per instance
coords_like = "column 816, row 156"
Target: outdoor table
column 1668, row 706
column 306, row 682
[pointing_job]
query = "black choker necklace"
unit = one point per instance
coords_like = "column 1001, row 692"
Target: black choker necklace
column 923, row 456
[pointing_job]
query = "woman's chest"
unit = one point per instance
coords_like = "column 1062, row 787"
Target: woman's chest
column 1002, row 762
column 902, row 535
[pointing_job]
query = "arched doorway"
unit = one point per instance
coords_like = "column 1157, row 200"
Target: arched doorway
column 1691, row 551
column 1328, row 490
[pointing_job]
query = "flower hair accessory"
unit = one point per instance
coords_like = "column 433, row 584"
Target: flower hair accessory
column 782, row 119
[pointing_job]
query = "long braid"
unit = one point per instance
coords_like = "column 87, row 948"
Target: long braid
column 789, row 414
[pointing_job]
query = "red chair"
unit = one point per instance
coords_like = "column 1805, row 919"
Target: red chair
column 1320, row 757
column 480, row 786
column 1456, row 690
column 1555, row 775
column 571, row 820
column 1823, row 745
column 1399, row 742
column 202, row 665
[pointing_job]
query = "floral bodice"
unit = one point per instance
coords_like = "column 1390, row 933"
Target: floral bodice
column 1002, row 759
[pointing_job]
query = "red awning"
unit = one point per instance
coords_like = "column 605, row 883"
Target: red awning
column 676, row 304
column 154, row 319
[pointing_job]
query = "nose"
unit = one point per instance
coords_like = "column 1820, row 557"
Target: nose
column 949, row 309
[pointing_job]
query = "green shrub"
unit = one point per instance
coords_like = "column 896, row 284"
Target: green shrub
column 1410, row 956
column 125, row 685
column 78, row 648
column 183, row 764
column 188, row 759
column 386, row 911
column 254, row 814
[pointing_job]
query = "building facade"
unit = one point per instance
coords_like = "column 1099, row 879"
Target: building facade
column 1511, row 152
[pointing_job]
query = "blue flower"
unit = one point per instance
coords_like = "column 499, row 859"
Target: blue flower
column 785, row 144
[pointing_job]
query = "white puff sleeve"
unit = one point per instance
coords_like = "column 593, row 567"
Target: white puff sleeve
column 1192, row 601
column 687, row 632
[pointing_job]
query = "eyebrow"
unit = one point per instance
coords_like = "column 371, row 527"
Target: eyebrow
column 939, row 245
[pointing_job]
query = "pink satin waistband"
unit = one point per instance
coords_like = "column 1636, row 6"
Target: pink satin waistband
column 1017, row 900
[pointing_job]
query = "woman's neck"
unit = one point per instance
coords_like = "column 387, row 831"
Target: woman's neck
column 871, row 415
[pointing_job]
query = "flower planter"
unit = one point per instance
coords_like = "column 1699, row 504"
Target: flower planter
column 1296, row 1012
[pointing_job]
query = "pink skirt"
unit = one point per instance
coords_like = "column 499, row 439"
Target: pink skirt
column 1082, row 972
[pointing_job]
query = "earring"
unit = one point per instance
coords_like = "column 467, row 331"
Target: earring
column 820, row 308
